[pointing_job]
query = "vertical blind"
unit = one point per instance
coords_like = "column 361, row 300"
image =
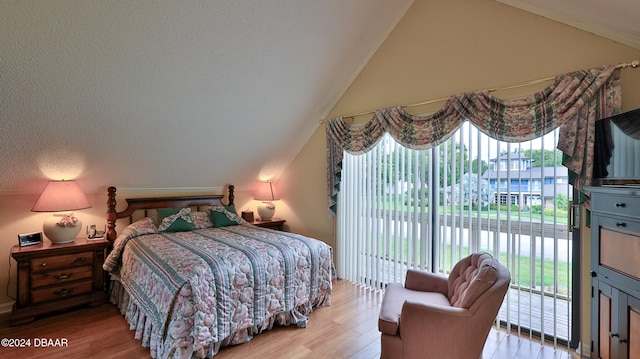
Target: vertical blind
column 400, row 208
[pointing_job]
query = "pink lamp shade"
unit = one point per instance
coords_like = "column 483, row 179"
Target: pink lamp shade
column 60, row 196
column 266, row 193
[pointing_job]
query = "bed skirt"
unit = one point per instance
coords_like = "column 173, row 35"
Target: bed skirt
column 179, row 341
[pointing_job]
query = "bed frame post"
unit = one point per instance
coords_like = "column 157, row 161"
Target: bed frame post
column 231, row 197
column 111, row 215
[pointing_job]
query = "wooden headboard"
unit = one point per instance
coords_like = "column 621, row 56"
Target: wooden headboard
column 136, row 204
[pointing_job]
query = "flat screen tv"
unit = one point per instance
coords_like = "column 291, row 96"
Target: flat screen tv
column 617, row 147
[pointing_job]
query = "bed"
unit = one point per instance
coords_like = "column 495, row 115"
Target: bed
column 190, row 276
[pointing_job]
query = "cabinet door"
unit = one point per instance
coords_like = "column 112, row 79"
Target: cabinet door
column 633, row 311
column 625, row 334
column 601, row 306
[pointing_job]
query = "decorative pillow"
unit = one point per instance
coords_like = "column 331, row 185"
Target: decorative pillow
column 175, row 219
column 223, row 216
column 201, row 220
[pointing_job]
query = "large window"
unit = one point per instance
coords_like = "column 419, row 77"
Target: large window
column 401, row 208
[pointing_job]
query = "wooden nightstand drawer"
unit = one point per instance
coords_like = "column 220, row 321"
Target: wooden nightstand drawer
column 63, row 261
column 53, row 277
column 60, row 292
column 42, row 279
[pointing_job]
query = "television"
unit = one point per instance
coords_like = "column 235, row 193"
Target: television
column 617, row 148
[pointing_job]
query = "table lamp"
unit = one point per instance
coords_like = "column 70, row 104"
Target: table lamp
column 61, row 196
column 266, row 195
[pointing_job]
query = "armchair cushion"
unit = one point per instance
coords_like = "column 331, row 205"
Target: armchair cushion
column 471, row 277
column 394, row 298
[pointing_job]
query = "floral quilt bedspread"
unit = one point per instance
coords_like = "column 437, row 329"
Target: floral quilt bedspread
column 207, row 288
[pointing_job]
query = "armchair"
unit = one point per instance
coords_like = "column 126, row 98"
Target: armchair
column 433, row 316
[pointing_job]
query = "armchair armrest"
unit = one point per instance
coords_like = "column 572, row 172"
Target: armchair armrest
column 426, row 281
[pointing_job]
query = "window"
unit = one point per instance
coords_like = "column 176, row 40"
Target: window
column 400, row 209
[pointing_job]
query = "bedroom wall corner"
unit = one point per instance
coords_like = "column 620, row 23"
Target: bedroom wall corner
column 303, row 187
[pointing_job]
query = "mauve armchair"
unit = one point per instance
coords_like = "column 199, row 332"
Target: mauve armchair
column 434, row 316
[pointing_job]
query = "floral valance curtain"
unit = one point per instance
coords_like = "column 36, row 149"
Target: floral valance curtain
column 574, row 102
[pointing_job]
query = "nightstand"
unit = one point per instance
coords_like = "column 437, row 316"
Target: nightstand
column 273, row 223
column 53, row 277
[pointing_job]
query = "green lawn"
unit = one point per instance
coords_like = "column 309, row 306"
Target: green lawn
column 560, row 215
column 519, row 266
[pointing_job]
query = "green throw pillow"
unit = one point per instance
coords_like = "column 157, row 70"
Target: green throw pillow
column 177, row 223
column 223, row 216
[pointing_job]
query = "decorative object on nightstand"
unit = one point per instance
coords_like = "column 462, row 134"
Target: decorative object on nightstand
column 29, row 239
column 61, row 196
column 55, row 277
column 247, row 216
column 273, row 223
column 266, row 195
column 94, row 233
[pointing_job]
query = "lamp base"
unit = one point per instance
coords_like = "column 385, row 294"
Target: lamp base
column 266, row 210
column 60, row 234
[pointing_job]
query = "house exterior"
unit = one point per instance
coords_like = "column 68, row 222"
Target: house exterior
column 513, row 180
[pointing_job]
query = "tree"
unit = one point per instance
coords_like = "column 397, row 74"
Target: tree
column 552, row 158
column 449, row 160
column 561, row 201
column 481, row 164
column 470, row 193
column 404, row 168
column 449, row 155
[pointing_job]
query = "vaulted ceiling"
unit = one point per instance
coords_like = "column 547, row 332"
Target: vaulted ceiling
column 166, row 93
column 613, row 19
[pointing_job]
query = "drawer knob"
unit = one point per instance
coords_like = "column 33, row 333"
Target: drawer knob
column 63, row 276
column 63, row 292
column 621, row 224
column 594, row 274
column 43, row 264
column 622, row 205
column 80, row 260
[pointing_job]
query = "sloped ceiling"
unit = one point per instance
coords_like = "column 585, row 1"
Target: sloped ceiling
column 613, row 19
column 166, row 93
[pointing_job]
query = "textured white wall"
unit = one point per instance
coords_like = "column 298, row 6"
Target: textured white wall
column 165, row 93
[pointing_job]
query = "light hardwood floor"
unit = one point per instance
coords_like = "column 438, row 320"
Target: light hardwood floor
column 346, row 329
